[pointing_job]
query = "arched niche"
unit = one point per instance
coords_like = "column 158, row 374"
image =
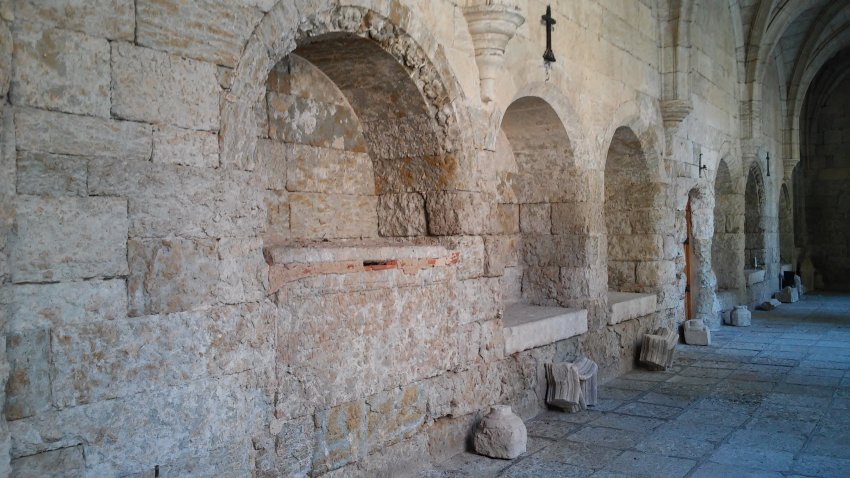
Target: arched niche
column 536, row 174
column 727, row 246
column 352, row 147
column 786, row 228
column 755, row 252
column 635, row 218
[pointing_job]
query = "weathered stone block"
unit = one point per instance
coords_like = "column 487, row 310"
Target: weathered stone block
column 479, row 299
column 535, row 218
column 501, row 252
column 740, row 316
column 504, row 219
column 243, row 272
column 571, row 386
column 5, row 58
column 656, row 352
column 788, row 295
column 60, row 70
column 636, row 247
column 312, row 122
column 69, row 238
column 578, row 218
column 62, row 462
column 696, row 333
column 67, row 303
column 315, row 216
column 323, row 170
column 401, row 215
column 187, row 147
column 51, row 132
column 210, row 30
column 457, row 213
column 394, row 415
column 293, row 448
column 271, row 163
column 112, row 19
column 171, row 275
column 500, row 434
column 341, row 436
column 28, row 388
column 51, row 174
column 153, row 86
column 655, row 273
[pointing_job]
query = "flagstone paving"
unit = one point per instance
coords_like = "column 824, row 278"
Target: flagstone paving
column 768, row 400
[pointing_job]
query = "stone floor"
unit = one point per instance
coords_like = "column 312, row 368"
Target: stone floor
column 768, row 400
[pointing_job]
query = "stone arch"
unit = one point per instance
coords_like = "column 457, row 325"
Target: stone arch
column 754, row 212
column 643, row 118
column 535, row 164
column 702, row 278
column 727, row 244
column 634, row 215
column 287, row 27
column 786, row 227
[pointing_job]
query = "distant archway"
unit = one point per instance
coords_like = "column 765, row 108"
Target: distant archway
column 755, row 252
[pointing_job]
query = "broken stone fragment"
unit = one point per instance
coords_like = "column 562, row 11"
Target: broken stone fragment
column 500, row 434
column 571, row 385
column 740, row 316
column 696, row 333
column 656, row 353
column 788, row 295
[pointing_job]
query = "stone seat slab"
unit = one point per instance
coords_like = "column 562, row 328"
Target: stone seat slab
column 530, row 326
column 629, row 305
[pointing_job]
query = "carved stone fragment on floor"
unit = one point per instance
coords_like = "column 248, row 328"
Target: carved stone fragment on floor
column 741, row 316
column 696, row 333
column 571, row 385
column 788, row 295
column 656, row 353
column 500, row 434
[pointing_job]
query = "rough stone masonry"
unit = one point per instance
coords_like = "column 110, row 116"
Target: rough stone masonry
column 278, row 238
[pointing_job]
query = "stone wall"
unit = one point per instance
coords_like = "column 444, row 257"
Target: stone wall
column 277, row 238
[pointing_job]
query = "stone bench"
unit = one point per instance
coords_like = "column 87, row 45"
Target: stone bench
column 624, row 306
column 529, row 326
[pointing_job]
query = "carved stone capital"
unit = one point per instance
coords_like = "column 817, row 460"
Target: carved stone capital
column 491, row 27
column 674, row 112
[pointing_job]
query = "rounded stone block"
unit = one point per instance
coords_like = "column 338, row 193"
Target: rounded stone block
column 741, row 316
column 501, row 434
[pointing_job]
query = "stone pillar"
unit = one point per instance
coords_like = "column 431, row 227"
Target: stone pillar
column 491, row 27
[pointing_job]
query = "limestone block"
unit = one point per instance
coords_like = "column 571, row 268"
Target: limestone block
column 535, row 218
column 271, row 163
column 60, row 70
column 65, row 303
column 500, row 434
column 696, row 333
column 61, row 133
column 656, row 352
column 401, row 215
column 342, row 429
column 156, row 87
column 571, row 386
column 457, row 213
column 628, row 305
column 315, row 216
column 501, row 252
column 243, row 271
column 212, row 30
column 46, row 174
column 202, row 417
column 479, row 299
column 112, row 19
column 312, row 122
column 653, row 273
column 324, row 170
column 636, row 247
column 472, row 255
column 394, row 415
column 62, row 462
column 171, row 275
column 504, row 219
column 187, row 147
column 69, row 238
column 419, row 173
column 740, row 316
column 788, row 295
column 530, row 326
column 577, row 218
column 28, row 388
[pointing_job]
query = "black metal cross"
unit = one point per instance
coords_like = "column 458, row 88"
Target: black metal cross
column 548, row 55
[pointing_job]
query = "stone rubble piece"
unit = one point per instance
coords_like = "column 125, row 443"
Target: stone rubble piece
column 500, row 434
column 769, row 304
column 696, row 333
column 740, row 316
column 656, row 352
column 798, row 284
column 572, row 385
column 788, row 295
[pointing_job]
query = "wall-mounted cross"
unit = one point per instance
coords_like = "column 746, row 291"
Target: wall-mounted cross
column 548, row 55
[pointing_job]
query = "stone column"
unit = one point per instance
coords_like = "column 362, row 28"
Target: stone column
column 491, row 27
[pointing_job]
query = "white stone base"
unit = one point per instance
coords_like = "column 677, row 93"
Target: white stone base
column 696, row 333
column 529, row 326
column 628, row 305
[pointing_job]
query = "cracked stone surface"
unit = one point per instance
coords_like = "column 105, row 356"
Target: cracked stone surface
column 770, row 400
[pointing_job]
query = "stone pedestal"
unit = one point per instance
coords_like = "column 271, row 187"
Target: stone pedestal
column 696, row 333
column 788, row 295
column 740, row 316
column 656, row 353
column 571, row 386
column 500, row 434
